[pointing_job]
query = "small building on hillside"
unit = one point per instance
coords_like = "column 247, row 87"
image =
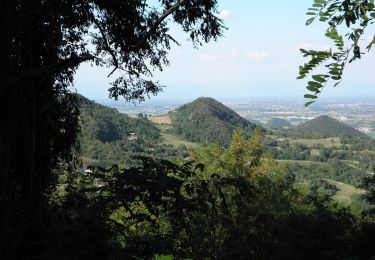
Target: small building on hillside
column 86, row 170
column 132, row 137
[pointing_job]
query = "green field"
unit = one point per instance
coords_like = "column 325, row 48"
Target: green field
column 172, row 139
column 304, row 162
column 165, row 257
column 346, row 193
column 326, row 142
column 372, row 135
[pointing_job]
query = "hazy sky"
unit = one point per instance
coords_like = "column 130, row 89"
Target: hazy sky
column 258, row 57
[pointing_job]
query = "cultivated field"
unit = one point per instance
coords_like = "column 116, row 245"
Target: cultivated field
column 161, row 120
column 346, row 193
column 326, row 142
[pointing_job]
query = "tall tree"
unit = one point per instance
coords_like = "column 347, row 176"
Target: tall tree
column 42, row 45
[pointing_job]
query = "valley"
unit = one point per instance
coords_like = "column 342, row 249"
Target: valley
column 175, row 129
column 320, row 149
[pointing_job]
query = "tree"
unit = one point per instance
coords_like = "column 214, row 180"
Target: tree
column 42, row 45
column 244, row 157
column 356, row 15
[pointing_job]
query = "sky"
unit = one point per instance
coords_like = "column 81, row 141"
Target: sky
column 257, row 57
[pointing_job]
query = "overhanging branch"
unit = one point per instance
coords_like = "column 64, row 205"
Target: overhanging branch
column 45, row 71
column 158, row 22
column 106, row 43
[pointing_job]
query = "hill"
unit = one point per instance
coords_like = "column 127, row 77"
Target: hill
column 206, row 119
column 109, row 137
column 278, row 123
column 329, row 126
column 108, row 125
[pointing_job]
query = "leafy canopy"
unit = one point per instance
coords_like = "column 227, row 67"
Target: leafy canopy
column 244, row 157
column 41, row 47
column 355, row 16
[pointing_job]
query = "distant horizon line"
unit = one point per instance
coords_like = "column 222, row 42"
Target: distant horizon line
column 280, row 98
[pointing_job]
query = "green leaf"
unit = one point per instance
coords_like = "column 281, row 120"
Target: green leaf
column 310, row 96
column 336, row 83
column 311, row 88
column 309, row 21
column 315, row 84
column 370, row 44
column 309, row 103
column 319, row 78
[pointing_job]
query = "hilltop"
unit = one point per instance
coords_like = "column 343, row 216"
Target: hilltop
column 329, row 126
column 206, row 119
column 277, row 122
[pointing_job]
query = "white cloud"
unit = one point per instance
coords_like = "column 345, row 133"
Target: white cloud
column 310, row 46
column 225, row 14
column 257, row 56
column 220, row 57
column 212, row 57
column 305, row 46
column 234, row 56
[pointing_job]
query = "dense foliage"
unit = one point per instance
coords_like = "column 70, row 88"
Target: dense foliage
column 42, row 44
column 206, row 119
column 191, row 211
column 237, row 204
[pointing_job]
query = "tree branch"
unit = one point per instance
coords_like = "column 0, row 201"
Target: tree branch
column 44, row 71
column 158, row 22
column 106, row 43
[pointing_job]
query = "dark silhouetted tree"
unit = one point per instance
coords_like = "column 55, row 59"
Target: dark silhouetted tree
column 42, row 45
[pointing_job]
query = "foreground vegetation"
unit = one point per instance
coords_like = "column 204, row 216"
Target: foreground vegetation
column 230, row 202
column 277, row 195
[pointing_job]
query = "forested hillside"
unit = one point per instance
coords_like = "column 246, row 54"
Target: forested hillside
column 206, row 119
column 109, row 137
column 108, row 125
column 329, row 126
